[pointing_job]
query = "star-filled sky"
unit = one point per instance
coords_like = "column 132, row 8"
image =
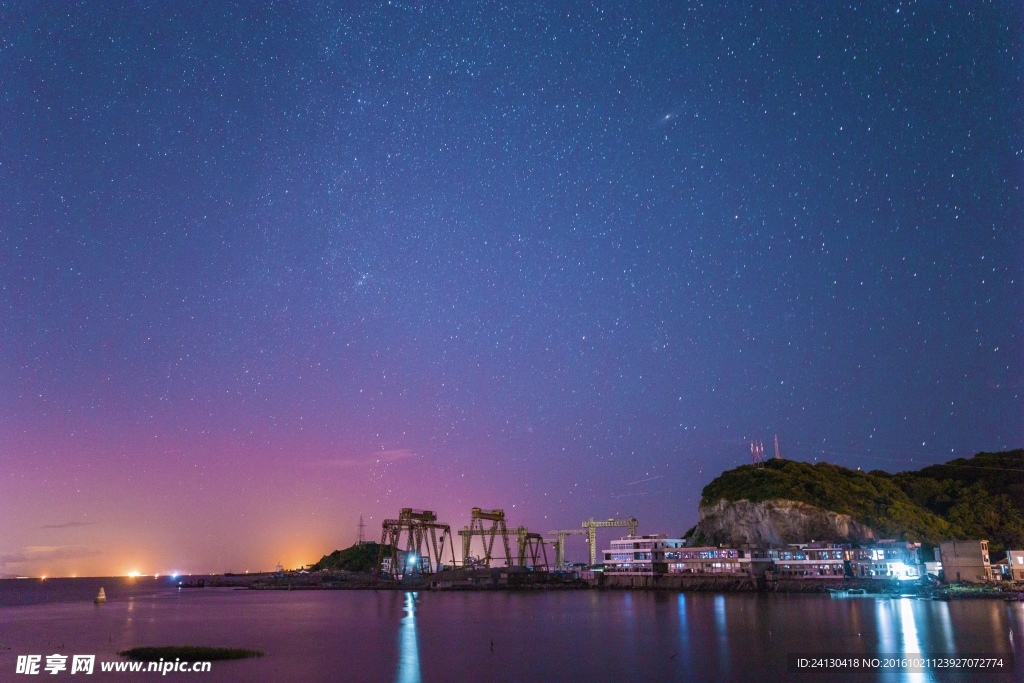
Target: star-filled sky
column 266, row 268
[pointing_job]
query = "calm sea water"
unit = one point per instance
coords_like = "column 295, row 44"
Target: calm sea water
column 530, row 636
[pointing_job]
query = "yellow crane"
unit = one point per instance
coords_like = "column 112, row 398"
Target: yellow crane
column 476, row 528
column 592, row 526
column 421, row 552
column 560, row 544
column 531, row 549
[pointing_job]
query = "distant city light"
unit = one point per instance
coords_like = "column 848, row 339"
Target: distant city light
column 901, row 571
column 134, row 575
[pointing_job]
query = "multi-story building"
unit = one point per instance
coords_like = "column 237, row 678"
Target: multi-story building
column 809, row 561
column 706, row 560
column 1015, row 560
column 658, row 554
column 886, row 559
column 641, row 554
column 755, row 561
column 965, row 561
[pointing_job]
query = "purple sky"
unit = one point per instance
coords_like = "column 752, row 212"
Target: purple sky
column 263, row 270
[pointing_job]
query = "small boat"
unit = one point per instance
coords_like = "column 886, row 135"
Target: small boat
column 101, row 597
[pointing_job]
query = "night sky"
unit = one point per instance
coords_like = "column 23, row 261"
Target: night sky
column 265, row 269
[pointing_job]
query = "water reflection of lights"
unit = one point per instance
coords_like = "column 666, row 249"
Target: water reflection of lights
column 684, row 628
column 907, row 641
column 945, row 626
column 408, row 647
column 721, row 626
column 627, row 604
column 720, row 613
column 911, row 642
column 682, row 616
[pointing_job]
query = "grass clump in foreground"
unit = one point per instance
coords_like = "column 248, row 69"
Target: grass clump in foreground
column 188, row 653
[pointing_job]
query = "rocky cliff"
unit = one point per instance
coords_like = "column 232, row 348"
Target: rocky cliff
column 979, row 497
column 775, row 522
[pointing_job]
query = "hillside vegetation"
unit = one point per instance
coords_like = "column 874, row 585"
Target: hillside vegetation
column 358, row 558
column 979, row 497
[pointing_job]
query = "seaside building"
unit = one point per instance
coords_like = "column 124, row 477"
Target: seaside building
column 647, row 554
column 810, row 561
column 1016, row 558
column 886, row 559
column 965, row 561
column 706, row 560
column 755, row 561
column 658, row 554
column 389, row 566
column 1010, row 568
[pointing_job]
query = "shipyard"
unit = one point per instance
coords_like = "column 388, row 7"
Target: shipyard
column 759, row 531
column 418, row 552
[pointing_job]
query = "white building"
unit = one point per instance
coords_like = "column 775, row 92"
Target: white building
column 1012, row 567
column 658, row 554
column 709, row 560
column 648, row 554
column 887, row 559
column 810, row 561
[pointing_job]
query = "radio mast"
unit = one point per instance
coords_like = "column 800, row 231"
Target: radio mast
column 757, row 453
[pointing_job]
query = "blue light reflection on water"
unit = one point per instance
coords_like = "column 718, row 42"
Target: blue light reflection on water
column 408, row 646
column 946, row 626
column 684, row 629
column 884, row 619
column 550, row 636
column 723, row 633
column 911, row 642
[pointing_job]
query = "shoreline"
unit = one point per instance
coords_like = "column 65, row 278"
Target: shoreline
column 527, row 582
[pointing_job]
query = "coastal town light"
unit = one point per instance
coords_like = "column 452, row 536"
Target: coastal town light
column 901, row 571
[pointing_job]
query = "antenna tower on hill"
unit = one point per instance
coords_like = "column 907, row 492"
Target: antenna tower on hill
column 777, row 456
column 757, row 453
column 362, row 531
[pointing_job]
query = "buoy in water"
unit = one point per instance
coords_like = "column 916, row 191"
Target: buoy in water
column 101, row 597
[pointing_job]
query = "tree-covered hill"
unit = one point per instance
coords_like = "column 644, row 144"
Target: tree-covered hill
column 358, row 558
column 979, row 497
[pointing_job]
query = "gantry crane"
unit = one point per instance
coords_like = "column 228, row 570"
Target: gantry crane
column 531, row 549
column 592, row 526
column 476, row 528
column 420, row 528
column 560, row 544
